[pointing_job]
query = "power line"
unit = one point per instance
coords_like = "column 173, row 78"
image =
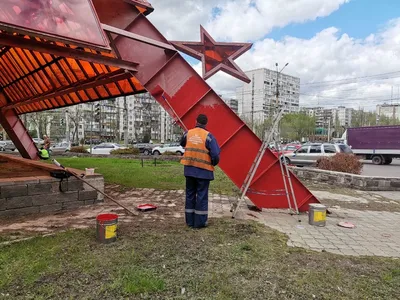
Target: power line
column 351, row 78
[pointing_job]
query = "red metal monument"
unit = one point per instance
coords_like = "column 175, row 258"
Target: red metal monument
column 56, row 53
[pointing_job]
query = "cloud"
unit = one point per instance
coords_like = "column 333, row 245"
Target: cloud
column 235, row 19
column 329, row 55
column 181, row 19
column 334, row 57
column 253, row 19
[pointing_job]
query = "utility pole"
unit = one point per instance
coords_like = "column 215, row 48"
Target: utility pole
column 252, row 103
column 276, row 110
column 329, row 130
column 277, row 84
column 391, row 97
column 125, row 122
column 277, row 87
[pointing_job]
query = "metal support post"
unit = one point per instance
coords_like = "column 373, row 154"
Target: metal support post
column 125, row 122
column 91, row 129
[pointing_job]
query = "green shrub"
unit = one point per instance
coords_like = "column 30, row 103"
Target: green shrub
column 133, row 151
column 78, row 149
column 341, row 162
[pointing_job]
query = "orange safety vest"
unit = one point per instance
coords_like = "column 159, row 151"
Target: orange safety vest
column 196, row 153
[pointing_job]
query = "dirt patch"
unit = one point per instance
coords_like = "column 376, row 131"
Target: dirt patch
column 9, row 169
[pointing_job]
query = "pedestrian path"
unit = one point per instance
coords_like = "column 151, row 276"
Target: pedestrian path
column 376, row 233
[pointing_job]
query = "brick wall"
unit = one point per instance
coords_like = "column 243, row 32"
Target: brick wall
column 338, row 179
column 29, row 195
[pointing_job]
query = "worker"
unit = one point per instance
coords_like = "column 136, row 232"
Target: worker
column 43, row 154
column 201, row 155
column 46, row 142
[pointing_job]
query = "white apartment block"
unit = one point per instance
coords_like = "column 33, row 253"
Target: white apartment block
column 137, row 115
column 232, row 103
column 342, row 115
column 323, row 116
column 391, row 111
column 257, row 99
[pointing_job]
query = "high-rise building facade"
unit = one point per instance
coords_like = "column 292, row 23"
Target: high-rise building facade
column 334, row 116
column 342, row 116
column 257, row 100
column 139, row 117
column 232, row 103
column 391, row 111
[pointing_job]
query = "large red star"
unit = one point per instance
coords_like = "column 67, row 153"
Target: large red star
column 215, row 56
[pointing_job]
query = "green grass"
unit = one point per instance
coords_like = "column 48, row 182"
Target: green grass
column 165, row 175
column 228, row 260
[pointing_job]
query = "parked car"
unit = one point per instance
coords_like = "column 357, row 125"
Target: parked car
column 60, row 147
column 309, row 153
column 174, row 147
column 144, row 148
column 3, row 145
column 38, row 141
column 105, row 148
column 289, row 148
column 7, row 146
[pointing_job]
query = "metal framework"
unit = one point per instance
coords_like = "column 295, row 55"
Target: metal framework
column 39, row 74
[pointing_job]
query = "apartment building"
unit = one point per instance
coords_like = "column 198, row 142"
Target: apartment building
column 341, row 116
column 139, row 116
column 231, row 102
column 391, row 111
column 257, row 99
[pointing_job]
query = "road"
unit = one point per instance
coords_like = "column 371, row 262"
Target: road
column 392, row 170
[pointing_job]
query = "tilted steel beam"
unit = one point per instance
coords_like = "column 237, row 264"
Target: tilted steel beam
column 137, row 37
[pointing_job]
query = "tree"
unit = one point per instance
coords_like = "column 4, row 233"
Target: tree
column 75, row 117
column 361, row 118
column 146, row 138
column 40, row 121
column 296, row 126
column 261, row 127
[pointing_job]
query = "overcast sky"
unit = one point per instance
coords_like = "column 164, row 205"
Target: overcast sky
column 328, row 43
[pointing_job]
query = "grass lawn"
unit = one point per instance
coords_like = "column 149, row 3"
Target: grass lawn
column 228, row 260
column 166, row 175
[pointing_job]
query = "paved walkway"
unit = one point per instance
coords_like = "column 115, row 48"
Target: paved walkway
column 376, row 232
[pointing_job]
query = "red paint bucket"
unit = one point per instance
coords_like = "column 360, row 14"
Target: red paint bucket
column 106, row 228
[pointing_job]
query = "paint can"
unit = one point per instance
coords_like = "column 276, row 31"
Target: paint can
column 317, row 214
column 89, row 171
column 106, row 228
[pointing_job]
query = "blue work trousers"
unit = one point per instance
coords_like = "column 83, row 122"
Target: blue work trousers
column 196, row 206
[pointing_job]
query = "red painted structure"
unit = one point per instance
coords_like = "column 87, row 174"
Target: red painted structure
column 39, row 73
column 215, row 56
